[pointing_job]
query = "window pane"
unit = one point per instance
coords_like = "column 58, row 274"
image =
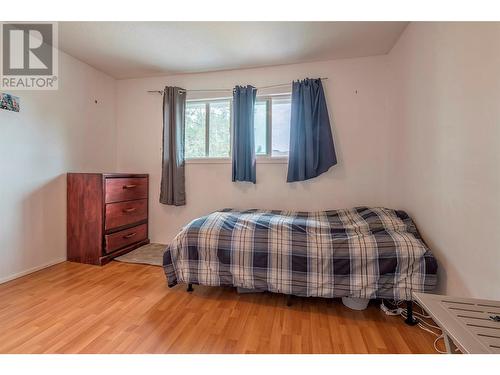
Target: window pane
column 260, row 126
column 219, row 124
column 195, row 130
column 281, row 126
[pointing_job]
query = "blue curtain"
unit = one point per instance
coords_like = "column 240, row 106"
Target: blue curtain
column 243, row 150
column 311, row 144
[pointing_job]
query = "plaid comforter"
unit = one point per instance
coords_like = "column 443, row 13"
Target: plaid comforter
column 360, row 252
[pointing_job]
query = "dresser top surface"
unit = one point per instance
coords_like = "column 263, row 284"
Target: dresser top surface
column 113, row 175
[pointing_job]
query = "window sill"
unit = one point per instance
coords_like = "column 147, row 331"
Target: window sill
column 272, row 160
column 208, row 161
column 260, row 160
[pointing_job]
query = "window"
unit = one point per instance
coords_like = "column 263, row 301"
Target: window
column 261, row 126
column 272, row 125
column 208, row 127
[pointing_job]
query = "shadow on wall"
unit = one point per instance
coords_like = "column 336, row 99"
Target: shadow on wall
column 444, row 269
column 42, row 225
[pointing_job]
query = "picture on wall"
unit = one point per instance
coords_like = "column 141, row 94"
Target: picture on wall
column 9, row 102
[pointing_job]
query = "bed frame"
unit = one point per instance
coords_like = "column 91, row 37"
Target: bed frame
column 410, row 319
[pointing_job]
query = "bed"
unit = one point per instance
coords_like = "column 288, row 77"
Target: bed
column 360, row 252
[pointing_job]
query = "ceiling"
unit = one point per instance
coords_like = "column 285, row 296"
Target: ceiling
column 143, row 49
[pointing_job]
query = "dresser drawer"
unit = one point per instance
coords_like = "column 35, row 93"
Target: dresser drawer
column 124, row 189
column 125, row 237
column 124, row 213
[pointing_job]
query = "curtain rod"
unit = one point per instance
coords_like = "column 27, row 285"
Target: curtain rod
column 229, row 90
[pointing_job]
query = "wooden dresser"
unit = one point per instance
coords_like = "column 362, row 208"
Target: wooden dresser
column 107, row 215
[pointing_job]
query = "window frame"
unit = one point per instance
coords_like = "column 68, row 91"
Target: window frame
column 266, row 158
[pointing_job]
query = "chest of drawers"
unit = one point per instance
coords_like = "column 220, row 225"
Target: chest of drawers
column 107, row 215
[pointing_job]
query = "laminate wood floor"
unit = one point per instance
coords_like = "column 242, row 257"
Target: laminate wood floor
column 127, row 308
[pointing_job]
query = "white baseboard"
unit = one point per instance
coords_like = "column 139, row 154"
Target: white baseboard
column 31, row 270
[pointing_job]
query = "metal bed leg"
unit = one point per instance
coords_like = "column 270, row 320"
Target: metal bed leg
column 289, row 300
column 190, row 288
column 410, row 319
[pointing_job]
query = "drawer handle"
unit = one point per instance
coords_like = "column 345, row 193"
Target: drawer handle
column 130, row 235
column 129, row 186
column 128, row 210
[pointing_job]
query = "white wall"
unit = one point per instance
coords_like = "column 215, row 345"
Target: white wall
column 55, row 132
column 359, row 121
column 446, row 82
